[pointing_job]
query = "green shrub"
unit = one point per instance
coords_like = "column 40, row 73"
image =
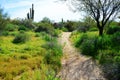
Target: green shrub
column 64, row 29
column 3, row 20
column 82, row 29
column 80, row 40
column 47, row 37
column 110, row 60
column 112, row 30
column 107, row 56
column 10, row 27
column 117, row 59
column 56, row 32
column 53, row 57
column 116, row 39
column 5, row 33
column 37, row 35
column 52, row 45
column 27, row 23
column 103, row 42
column 53, row 54
column 93, row 29
column 88, row 47
column 13, row 33
column 21, row 38
column 45, row 27
column 22, row 31
column 70, row 25
column 111, row 71
column 49, row 45
column 22, row 27
column 51, row 75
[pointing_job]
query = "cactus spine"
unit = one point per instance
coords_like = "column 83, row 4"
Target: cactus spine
column 30, row 15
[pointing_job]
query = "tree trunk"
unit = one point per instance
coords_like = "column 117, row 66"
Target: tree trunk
column 100, row 31
column 100, row 27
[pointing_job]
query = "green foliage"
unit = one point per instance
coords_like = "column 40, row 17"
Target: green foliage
column 51, row 75
column 45, row 27
column 80, row 40
column 29, row 60
column 4, row 51
column 88, row 47
column 117, row 58
column 107, row 56
column 10, row 27
column 44, row 36
column 27, row 23
column 110, row 60
column 24, row 22
column 54, row 54
column 104, row 49
column 88, row 22
column 46, row 20
column 104, row 42
column 3, row 20
column 21, row 38
column 111, row 71
column 37, row 35
column 57, row 32
column 112, row 30
column 22, row 27
column 47, row 37
column 13, row 33
column 67, row 26
column 64, row 29
column 82, row 29
column 93, row 29
column 91, row 45
column 70, row 25
column 116, row 39
column 53, row 58
column 5, row 33
column 15, row 21
column 38, row 75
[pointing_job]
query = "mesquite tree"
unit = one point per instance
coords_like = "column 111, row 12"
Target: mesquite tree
column 31, row 14
column 102, row 11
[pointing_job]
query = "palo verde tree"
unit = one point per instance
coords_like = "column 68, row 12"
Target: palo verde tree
column 102, row 11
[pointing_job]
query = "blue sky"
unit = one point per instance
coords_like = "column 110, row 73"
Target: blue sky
column 43, row 8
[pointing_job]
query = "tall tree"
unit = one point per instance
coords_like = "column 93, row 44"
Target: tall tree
column 3, row 20
column 101, row 10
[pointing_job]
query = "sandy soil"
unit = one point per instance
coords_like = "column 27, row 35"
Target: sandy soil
column 75, row 66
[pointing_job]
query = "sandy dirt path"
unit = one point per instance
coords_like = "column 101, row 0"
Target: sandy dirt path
column 76, row 66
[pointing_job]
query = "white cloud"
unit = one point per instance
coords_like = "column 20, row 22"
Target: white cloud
column 43, row 8
column 17, row 5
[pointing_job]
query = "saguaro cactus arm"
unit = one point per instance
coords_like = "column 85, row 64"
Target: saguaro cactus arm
column 30, row 15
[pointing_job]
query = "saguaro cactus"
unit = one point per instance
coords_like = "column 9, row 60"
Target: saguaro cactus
column 32, row 12
column 30, row 15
